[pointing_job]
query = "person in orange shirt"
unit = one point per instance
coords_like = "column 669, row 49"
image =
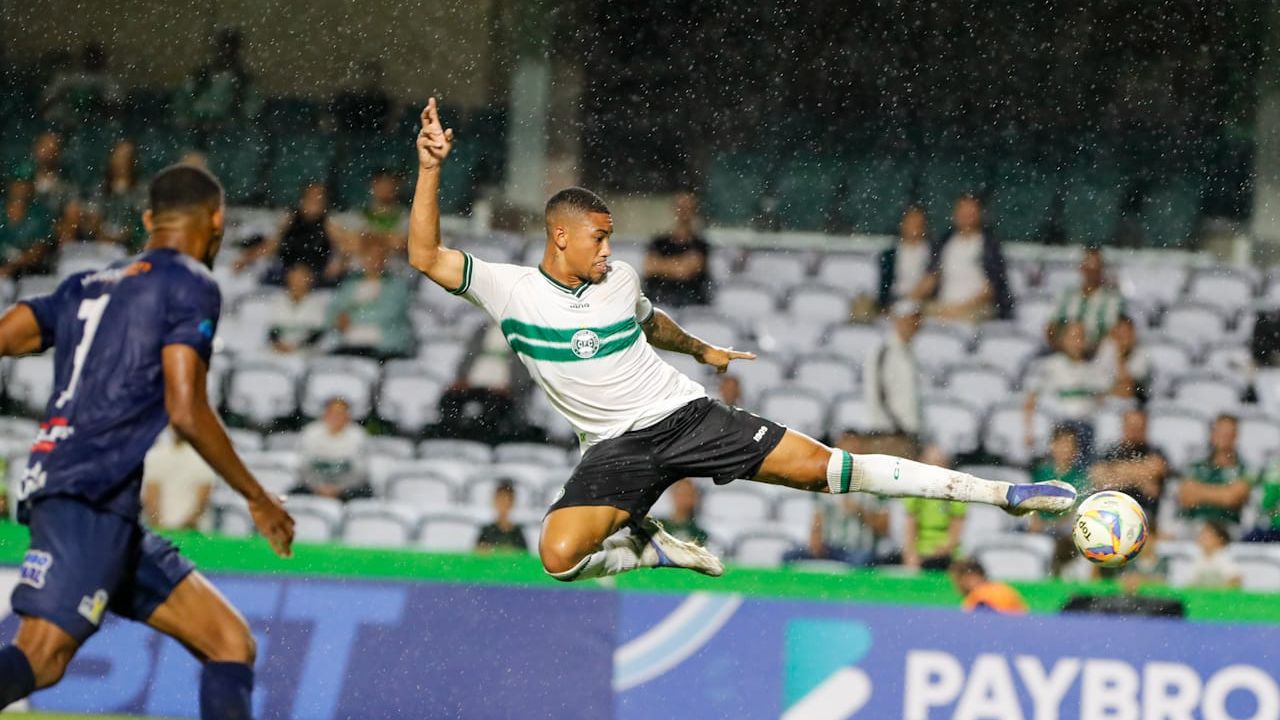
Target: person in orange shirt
column 981, row 593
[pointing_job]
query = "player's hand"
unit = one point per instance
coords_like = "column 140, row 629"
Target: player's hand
column 719, row 358
column 274, row 522
column 434, row 141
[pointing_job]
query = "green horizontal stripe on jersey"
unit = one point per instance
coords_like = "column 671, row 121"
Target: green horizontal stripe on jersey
column 561, row 335
column 563, row 352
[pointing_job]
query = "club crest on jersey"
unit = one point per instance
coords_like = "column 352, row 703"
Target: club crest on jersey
column 35, row 567
column 92, row 608
column 585, row 344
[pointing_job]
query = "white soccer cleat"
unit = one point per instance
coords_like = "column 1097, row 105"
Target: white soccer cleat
column 661, row 549
column 1050, row 496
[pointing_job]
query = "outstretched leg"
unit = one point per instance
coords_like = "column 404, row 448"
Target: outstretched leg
column 37, row 659
column 802, row 462
column 198, row 616
column 578, row 543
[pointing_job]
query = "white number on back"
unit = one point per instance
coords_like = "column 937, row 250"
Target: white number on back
column 91, row 313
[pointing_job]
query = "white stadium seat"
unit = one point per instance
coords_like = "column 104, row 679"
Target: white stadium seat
column 1033, row 313
column 1010, row 353
column 1107, row 425
column 855, row 274
column 1182, row 434
column 1015, row 556
column 827, row 374
column 1259, row 565
column 854, row 341
column 762, row 548
column 352, row 379
column 745, row 300
column 848, row 412
column 954, row 425
column 713, row 329
column 410, row 402
column 982, row 524
column 391, row 446
column 1208, row 393
column 262, row 393
column 1259, row 440
column 779, row 270
column 789, row 335
column 31, row 381
column 1232, row 359
column 448, row 533
column 1197, row 324
column 819, row 304
column 317, row 519
column 234, row 520
column 1228, row 289
column 797, row 408
column 1006, row 433
column 758, row 377
column 531, row 453
column 937, row 348
column 378, row 523
column 450, row 449
column 796, row 509
column 1059, row 277
column 1160, row 283
column 734, row 504
column 979, row 385
column 421, row 489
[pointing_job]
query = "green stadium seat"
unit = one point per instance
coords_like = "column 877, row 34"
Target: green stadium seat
column 734, row 184
column 877, row 190
column 1091, row 201
column 1021, row 200
column 806, row 192
column 299, row 159
column 237, row 157
column 1170, row 212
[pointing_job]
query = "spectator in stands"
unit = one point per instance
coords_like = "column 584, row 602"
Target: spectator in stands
column 1066, row 463
column 846, row 530
column 892, row 391
column 384, row 214
column 364, row 106
column 730, row 390
column 981, row 593
column 176, row 484
column 686, row 500
column 1268, row 527
column 1217, row 488
column 26, row 231
column 298, row 317
column 370, row 311
column 967, row 280
column 332, row 453
column 117, row 204
column 220, row 93
column 82, row 96
column 1133, row 465
column 933, row 526
column 1213, row 569
column 904, row 264
column 1069, row 385
column 502, row 535
column 307, row 237
column 1095, row 304
column 74, row 225
column 1125, row 361
column 676, row 270
column 52, row 189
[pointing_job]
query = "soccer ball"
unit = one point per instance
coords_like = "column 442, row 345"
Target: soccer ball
column 1110, row 528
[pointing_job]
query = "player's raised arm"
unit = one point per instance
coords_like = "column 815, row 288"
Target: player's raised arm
column 665, row 334
column 445, row 267
column 190, row 414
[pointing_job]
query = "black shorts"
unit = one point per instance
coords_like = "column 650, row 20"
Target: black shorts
column 705, row 438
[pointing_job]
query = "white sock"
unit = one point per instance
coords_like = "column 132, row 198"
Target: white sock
column 899, row 477
column 614, row 560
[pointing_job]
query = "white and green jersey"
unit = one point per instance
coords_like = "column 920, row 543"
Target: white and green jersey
column 584, row 346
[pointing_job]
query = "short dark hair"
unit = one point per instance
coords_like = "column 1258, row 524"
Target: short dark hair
column 505, row 485
column 579, row 199
column 180, row 188
column 1227, row 417
column 1064, row 431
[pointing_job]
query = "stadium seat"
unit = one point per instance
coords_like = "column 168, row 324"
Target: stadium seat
column 247, row 441
column 689, row 367
column 827, row 374
column 850, row 274
column 814, row 303
column 713, row 328
column 788, row 335
column 378, row 523
column 1033, row 314
column 735, row 504
column 1232, row 359
column 853, row 341
column 1182, row 434
column 234, row 520
column 982, row 524
column 796, row 407
column 411, row 402
column 1259, row 565
column 758, row 377
column 1015, row 556
column 1227, row 289
column 279, row 441
column 542, row 415
column 981, row 386
column 1198, row 324
column 1003, row 473
column 448, row 533
column 30, row 382
column 32, row 285
column 352, row 379
column 1208, row 393
column 21, row 430
column 1009, row 352
column 317, row 519
column 1108, row 423
column 1259, row 440
column 391, row 446
column 796, row 509
column 531, row 483
column 261, row 393
column 1006, row 433
column 1170, row 357
column 1161, row 283
column 937, row 348
column 848, row 412
column 550, row 456
column 745, row 300
column 762, row 548
column 1267, row 384
column 1057, row 278
column 953, row 424
column 420, row 489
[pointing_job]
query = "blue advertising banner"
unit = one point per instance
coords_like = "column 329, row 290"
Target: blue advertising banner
column 332, row 649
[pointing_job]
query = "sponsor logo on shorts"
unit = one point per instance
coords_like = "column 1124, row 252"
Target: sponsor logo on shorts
column 35, row 566
column 585, row 344
column 33, row 479
column 761, row 433
column 93, row 607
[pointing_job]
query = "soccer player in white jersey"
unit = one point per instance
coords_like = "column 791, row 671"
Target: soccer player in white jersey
column 587, row 334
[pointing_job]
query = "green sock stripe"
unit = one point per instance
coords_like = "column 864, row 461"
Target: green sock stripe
column 846, row 470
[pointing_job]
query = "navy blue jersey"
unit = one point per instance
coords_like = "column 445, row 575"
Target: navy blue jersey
column 107, row 330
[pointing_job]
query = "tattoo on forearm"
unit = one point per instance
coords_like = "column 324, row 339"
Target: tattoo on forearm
column 665, row 334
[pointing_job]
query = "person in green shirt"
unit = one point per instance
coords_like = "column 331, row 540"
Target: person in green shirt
column 1065, row 463
column 933, row 526
column 26, row 230
column 683, row 520
column 1217, row 488
column 384, row 214
column 1268, row 527
column 370, row 312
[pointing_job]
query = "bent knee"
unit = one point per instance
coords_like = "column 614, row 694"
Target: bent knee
column 232, row 641
column 559, row 556
column 48, row 657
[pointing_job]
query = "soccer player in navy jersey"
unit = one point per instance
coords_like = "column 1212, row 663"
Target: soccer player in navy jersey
column 131, row 349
